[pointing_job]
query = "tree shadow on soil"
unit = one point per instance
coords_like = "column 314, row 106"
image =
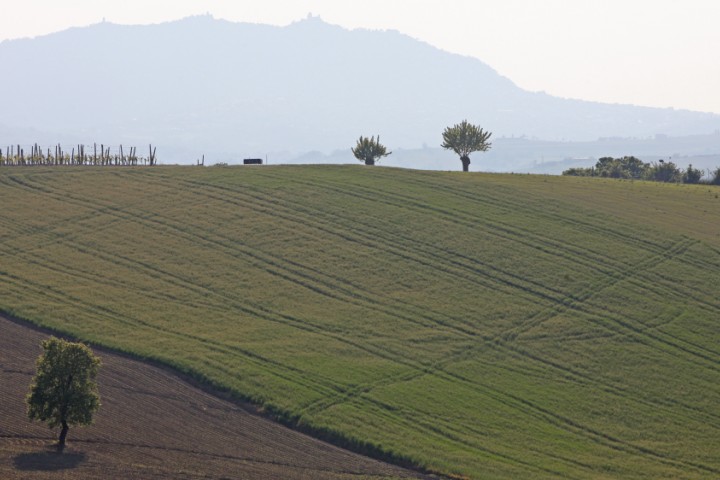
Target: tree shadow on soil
column 49, row 460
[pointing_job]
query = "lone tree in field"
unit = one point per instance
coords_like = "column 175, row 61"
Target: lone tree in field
column 465, row 138
column 369, row 150
column 64, row 391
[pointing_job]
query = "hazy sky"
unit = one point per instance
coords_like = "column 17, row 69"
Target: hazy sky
column 663, row 53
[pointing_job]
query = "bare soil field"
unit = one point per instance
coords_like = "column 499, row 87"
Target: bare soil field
column 153, row 424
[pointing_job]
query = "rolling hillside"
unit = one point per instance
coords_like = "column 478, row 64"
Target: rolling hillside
column 237, row 90
column 488, row 326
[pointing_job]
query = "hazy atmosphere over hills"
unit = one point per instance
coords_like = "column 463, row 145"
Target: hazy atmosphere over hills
column 232, row 90
column 551, row 315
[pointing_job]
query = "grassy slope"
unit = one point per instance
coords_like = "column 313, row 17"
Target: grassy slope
column 495, row 326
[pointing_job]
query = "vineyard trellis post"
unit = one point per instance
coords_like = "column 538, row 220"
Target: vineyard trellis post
column 14, row 155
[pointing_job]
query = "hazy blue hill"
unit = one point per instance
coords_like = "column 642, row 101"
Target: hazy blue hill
column 235, row 89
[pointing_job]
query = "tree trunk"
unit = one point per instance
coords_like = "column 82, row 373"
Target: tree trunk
column 369, row 161
column 63, row 434
column 466, row 162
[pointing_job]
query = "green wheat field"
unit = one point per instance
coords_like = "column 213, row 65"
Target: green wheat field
column 480, row 325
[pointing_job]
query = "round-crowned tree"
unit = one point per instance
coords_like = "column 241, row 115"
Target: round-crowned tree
column 64, row 392
column 465, row 138
column 369, row 150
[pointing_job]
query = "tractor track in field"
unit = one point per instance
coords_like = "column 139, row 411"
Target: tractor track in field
column 153, row 424
column 292, row 272
column 348, row 295
column 293, row 217
column 514, row 232
column 626, row 273
column 460, row 267
column 295, row 275
column 574, row 301
column 657, row 254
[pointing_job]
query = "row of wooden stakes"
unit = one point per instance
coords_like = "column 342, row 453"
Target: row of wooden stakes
column 56, row 156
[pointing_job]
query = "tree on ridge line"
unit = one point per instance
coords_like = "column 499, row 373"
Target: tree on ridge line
column 464, row 138
column 369, row 150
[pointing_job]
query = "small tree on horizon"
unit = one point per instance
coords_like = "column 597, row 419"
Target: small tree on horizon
column 465, row 138
column 369, row 150
column 663, row 172
column 692, row 175
column 63, row 392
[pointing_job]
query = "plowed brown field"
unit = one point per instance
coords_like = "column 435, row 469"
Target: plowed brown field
column 153, row 424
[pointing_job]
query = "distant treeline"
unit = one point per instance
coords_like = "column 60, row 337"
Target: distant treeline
column 634, row 168
column 56, row 156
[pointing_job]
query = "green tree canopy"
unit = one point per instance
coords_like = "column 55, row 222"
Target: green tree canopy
column 634, row 168
column 465, row 138
column 692, row 175
column 63, row 392
column 625, row 167
column 369, row 150
column 663, row 172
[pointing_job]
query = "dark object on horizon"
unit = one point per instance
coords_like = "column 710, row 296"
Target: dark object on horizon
column 252, row 161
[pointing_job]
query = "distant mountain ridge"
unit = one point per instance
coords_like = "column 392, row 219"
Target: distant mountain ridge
column 235, row 89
